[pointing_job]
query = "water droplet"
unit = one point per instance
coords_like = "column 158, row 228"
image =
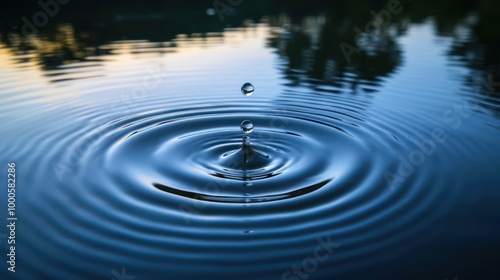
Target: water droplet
column 210, row 12
column 246, row 141
column 247, row 89
column 246, row 126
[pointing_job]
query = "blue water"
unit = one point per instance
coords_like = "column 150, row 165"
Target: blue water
column 129, row 154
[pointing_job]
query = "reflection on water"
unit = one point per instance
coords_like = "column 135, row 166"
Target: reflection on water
column 126, row 128
column 309, row 43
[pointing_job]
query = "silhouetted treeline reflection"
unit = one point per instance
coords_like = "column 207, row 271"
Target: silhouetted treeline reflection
column 322, row 40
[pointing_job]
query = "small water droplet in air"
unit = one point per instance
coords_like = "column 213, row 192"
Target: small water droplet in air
column 247, row 89
column 210, row 12
column 246, row 141
column 246, row 126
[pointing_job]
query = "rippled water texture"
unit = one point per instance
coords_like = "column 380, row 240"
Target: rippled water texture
column 129, row 152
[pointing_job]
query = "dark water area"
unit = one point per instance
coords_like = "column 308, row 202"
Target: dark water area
column 373, row 151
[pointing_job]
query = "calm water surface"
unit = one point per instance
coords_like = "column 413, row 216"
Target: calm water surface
column 127, row 152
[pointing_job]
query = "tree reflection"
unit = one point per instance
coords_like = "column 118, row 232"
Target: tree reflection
column 307, row 34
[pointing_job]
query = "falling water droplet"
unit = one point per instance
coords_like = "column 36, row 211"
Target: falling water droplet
column 246, row 141
column 247, row 89
column 246, row 126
